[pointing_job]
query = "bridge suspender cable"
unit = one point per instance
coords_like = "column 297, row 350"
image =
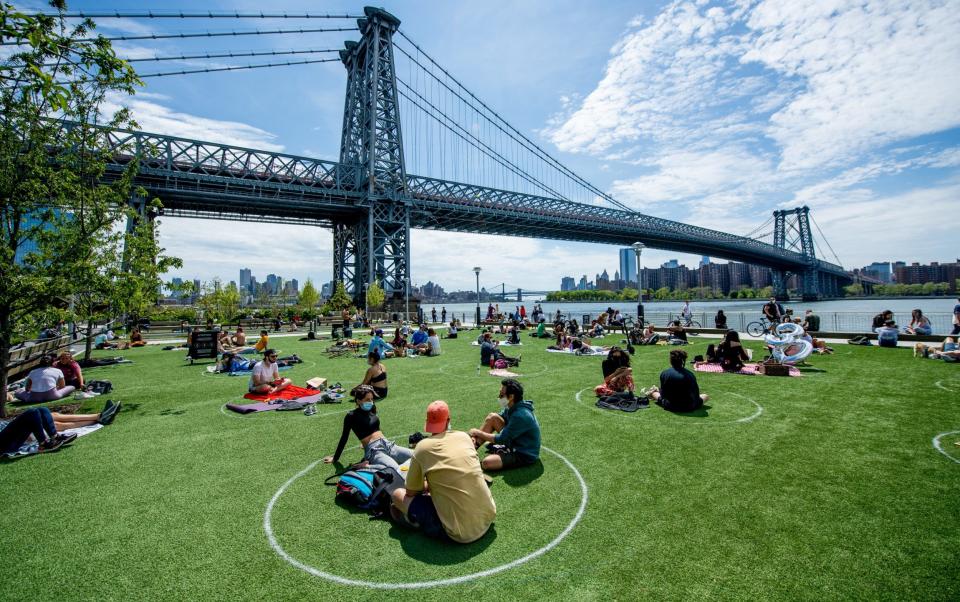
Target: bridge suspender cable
column 825, row 240
column 207, row 34
column 180, row 15
column 529, row 144
column 237, row 68
column 185, row 57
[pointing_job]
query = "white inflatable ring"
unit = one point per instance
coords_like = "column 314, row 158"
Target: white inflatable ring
column 806, row 348
column 789, row 329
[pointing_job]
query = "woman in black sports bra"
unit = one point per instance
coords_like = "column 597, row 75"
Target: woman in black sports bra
column 365, row 424
column 376, row 375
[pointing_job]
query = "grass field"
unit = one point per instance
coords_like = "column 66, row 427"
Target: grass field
column 834, row 491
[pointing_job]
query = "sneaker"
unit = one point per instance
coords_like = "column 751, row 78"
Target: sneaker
column 107, row 416
column 65, row 438
column 644, row 403
column 310, row 410
column 107, row 406
column 52, row 444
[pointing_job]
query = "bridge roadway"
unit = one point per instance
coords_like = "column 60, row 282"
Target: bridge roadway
column 206, row 179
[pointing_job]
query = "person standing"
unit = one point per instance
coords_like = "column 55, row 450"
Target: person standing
column 686, row 313
column 811, row 321
column 956, row 318
column 433, row 314
column 445, row 494
column 443, row 314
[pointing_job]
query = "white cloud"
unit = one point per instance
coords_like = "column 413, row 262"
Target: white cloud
column 158, row 118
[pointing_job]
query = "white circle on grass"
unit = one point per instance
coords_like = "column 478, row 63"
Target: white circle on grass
column 939, row 384
column 749, row 418
column 268, row 528
column 939, row 448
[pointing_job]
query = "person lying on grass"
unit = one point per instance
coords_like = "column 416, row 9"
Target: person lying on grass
column 617, row 374
column 365, row 424
column 376, row 375
column 513, row 431
column 679, row 391
column 265, row 377
column 445, row 494
column 947, row 351
column 45, row 425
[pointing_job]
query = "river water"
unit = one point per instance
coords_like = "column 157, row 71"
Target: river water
column 839, row 314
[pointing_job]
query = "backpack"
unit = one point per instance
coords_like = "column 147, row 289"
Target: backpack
column 100, row 386
column 367, row 488
column 500, row 364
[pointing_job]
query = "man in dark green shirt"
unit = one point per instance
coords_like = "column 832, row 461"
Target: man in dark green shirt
column 514, row 427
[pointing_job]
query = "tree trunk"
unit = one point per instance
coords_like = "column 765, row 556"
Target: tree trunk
column 4, row 362
column 88, row 346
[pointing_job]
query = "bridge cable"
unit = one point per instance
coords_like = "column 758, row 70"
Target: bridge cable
column 208, row 34
column 181, row 15
column 186, row 57
column 238, row 67
column 823, row 236
column 542, row 153
column 486, row 150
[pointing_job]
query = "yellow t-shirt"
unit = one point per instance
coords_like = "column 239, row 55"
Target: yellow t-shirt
column 262, row 343
column 450, row 465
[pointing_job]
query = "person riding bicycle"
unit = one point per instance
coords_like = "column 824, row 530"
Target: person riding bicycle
column 773, row 311
column 686, row 313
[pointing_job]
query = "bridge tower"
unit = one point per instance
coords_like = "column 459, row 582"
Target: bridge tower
column 377, row 246
column 791, row 231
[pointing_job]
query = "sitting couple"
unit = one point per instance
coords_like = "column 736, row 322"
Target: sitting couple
column 490, row 353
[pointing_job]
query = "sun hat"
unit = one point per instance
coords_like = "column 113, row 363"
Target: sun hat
column 438, row 414
column 361, row 391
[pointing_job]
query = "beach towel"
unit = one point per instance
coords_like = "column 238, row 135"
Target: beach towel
column 502, row 344
column 252, row 407
column 29, row 449
column 749, row 369
column 597, row 351
column 291, row 392
column 503, row 373
column 213, row 370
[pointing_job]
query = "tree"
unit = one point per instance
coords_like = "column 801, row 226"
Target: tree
column 308, row 299
column 340, row 299
column 853, row 290
column 60, row 207
column 375, row 295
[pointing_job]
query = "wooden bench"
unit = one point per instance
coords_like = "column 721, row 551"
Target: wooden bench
column 26, row 358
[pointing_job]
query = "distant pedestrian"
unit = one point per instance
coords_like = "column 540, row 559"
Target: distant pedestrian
column 433, row 314
column 956, row 318
column 443, row 314
column 523, row 312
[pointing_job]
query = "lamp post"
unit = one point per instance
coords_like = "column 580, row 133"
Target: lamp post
column 406, row 299
column 638, row 249
column 476, row 271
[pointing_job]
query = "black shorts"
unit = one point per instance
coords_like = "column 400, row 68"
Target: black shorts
column 512, row 459
column 422, row 512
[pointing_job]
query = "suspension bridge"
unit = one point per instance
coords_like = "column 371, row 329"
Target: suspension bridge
column 420, row 150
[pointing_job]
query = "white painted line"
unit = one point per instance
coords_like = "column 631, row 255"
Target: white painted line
column 268, row 528
column 939, row 384
column 749, row 418
column 939, row 448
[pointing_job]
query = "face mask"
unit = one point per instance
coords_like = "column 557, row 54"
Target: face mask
column 366, row 406
column 504, row 402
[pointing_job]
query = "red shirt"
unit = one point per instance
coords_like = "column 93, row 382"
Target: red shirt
column 71, row 371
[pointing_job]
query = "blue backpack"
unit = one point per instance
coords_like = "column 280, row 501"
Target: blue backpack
column 367, row 488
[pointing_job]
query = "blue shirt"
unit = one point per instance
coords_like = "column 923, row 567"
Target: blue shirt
column 379, row 345
column 419, row 337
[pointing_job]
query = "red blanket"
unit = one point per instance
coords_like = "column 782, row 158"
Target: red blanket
column 291, row 392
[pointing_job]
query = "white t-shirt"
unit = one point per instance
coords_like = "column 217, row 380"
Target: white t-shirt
column 44, row 379
column 263, row 373
column 434, row 345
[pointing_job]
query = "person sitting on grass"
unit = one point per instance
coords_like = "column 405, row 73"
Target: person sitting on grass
column 541, row 332
column 223, row 342
column 677, row 333
column 136, row 338
column 513, row 431
column 72, row 374
column 730, row 353
column 617, row 374
column 102, row 341
column 887, row 334
column 399, row 342
column 239, row 338
column 44, row 383
column 379, row 346
column 919, row 324
column 376, row 376
column 452, row 330
column 679, row 391
column 365, row 424
column 263, row 342
column 265, row 377
column 445, row 494
column 720, row 320
column 419, row 336
column 811, row 321
column 490, row 353
column 433, row 343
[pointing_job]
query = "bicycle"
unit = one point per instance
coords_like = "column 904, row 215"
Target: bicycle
column 760, row 327
column 687, row 322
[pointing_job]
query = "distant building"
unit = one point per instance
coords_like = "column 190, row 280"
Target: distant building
column 245, row 280
column 882, row 271
column 671, row 265
column 916, row 273
column 567, row 283
column 583, row 285
column 628, row 265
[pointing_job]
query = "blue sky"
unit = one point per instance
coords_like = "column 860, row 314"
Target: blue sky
column 715, row 113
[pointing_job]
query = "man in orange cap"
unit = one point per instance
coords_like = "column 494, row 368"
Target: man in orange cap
column 459, row 504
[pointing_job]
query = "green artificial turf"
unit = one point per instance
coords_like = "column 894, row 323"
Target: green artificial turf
column 834, row 491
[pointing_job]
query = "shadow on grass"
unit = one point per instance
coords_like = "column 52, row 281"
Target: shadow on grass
column 169, row 412
column 518, row 477
column 701, row 412
column 436, row 551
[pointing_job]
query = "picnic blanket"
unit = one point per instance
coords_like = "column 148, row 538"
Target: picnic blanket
column 213, row 370
column 502, row 344
column 599, row 351
column 750, row 369
column 291, row 392
column 28, row 449
column 502, row 373
column 615, row 402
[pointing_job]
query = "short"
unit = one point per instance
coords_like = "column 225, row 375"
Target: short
column 512, row 459
column 422, row 512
